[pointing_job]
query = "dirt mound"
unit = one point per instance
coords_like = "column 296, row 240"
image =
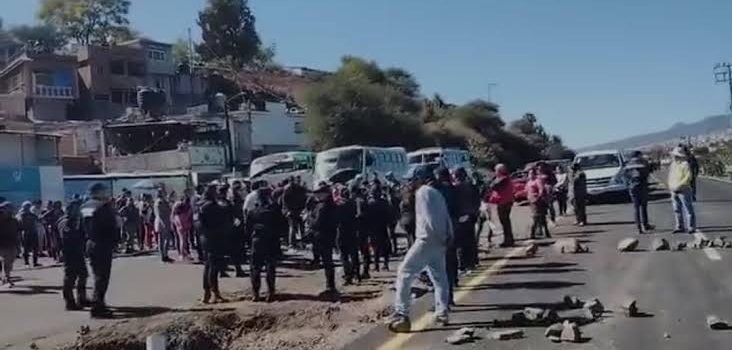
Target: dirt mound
column 287, row 325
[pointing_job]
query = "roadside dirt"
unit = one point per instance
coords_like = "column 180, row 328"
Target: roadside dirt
column 297, row 320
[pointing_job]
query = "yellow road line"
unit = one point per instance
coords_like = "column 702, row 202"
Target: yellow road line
column 399, row 339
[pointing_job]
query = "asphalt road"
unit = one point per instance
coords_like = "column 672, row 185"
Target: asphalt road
column 674, row 290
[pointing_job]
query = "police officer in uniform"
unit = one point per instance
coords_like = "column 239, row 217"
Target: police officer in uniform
column 215, row 224
column 99, row 221
column 75, row 272
column 265, row 224
column 347, row 236
column 324, row 227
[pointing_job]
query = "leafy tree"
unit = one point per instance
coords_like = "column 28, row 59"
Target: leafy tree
column 228, row 32
column 357, row 105
column 41, row 38
column 86, row 21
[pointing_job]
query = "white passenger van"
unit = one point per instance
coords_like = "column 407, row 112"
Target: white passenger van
column 344, row 163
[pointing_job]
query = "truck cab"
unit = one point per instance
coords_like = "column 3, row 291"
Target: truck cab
column 605, row 171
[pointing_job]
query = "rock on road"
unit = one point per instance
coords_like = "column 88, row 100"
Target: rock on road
column 675, row 291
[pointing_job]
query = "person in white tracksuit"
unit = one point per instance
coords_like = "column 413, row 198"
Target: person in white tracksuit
column 433, row 234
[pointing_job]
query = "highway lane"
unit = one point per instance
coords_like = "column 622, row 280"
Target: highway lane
column 676, row 290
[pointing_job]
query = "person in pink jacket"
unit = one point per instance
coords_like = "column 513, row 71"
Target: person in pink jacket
column 183, row 221
column 501, row 195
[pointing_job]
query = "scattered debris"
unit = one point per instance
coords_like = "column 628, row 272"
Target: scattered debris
column 572, row 301
column 569, row 246
column 531, row 249
column 628, row 244
column 700, row 242
column 533, row 314
column 571, row 332
column 716, row 323
column 507, row 334
column 550, row 316
column 659, row 244
column 680, row 245
column 718, row 242
column 728, row 244
column 519, row 318
column 595, row 307
column 667, row 336
column 630, row 308
column 582, row 316
column 554, row 330
column 555, row 338
column 461, row 336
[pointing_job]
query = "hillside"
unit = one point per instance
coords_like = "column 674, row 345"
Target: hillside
column 705, row 126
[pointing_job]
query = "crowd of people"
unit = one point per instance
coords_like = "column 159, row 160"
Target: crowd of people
column 441, row 213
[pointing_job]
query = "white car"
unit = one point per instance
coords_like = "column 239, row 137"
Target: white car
column 605, row 172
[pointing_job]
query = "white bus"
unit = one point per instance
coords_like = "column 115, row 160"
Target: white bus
column 277, row 167
column 344, row 163
column 450, row 158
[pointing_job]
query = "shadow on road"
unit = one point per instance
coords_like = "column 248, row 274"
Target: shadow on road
column 548, row 265
column 128, row 312
column 343, row 298
column 462, row 307
column 32, row 290
column 537, row 271
column 525, row 285
column 610, row 223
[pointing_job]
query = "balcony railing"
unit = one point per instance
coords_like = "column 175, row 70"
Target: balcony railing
column 54, row 91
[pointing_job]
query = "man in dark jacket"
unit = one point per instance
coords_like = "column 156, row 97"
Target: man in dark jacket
column 468, row 205
column 636, row 176
column 324, row 227
column 75, row 272
column 99, row 221
column 407, row 211
column 215, row 225
column 239, row 236
column 29, row 224
column 578, row 194
column 265, row 224
column 363, row 233
column 347, row 236
column 9, row 236
column 378, row 218
column 293, row 199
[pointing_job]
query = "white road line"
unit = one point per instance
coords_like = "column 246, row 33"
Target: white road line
column 711, row 253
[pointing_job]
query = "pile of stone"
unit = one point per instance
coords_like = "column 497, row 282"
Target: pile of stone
column 715, row 323
column 462, row 336
column 534, row 316
column 564, row 332
column 628, row 244
column 506, row 334
column 569, row 246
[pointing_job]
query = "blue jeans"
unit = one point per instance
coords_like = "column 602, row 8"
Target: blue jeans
column 639, row 195
column 682, row 201
column 423, row 255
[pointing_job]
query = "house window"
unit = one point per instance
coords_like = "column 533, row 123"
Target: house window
column 136, row 69
column 118, row 96
column 117, row 67
column 156, row 55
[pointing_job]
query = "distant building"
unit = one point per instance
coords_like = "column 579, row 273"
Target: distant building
column 109, row 78
column 30, row 166
column 197, row 147
column 275, row 128
column 39, row 87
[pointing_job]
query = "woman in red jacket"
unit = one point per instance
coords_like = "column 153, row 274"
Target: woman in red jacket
column 501, row 195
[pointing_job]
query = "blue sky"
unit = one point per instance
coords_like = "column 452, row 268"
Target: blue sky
column 592, row 71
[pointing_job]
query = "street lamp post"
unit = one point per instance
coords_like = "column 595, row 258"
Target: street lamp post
column 223, row 102
column 722, row 75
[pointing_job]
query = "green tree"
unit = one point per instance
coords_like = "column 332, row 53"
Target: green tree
column 228, row 32
column 357, row 105
column 40, row 38
column 86, row 21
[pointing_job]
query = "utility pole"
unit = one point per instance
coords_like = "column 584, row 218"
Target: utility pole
column 722, row 75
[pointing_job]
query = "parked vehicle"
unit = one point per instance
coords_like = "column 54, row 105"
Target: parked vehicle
column 450, row 158
column 277, row 167
column 344, row 163
column 605, row 171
